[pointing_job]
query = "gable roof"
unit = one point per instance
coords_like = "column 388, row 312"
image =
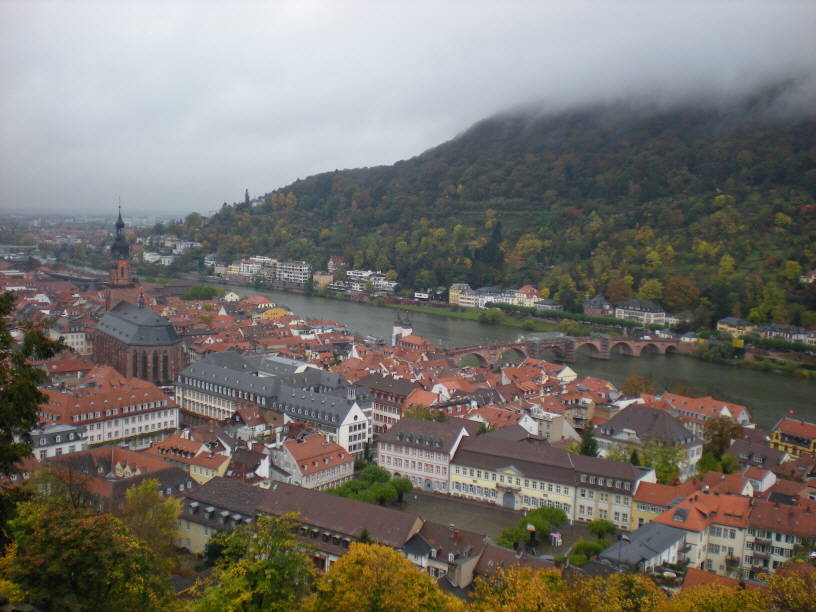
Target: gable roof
column 347, row 516
column 418, row 433
column 137, row 326
column 647, row 424
column 644, row 544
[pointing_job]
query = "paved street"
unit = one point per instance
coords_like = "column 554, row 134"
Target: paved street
column 470, row 516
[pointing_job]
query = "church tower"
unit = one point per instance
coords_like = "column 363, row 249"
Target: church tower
column 119, row 273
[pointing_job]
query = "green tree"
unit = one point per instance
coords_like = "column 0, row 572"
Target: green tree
column 19, row 395
column 402, row 486
column 364, row 537
column 69, row 560
column 602, row 529
column 193, row 221
column 152, row 517
column 708, row 463
column 491, row 316
column 667, row 458
column 651, row 290
column 730, row 464
column 263, row 568
column 589, row 445
column 374, row 473
column 513, row 536
column 417, row 411
column 201, row 292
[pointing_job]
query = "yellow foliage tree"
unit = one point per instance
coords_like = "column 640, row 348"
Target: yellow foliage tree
column 520, row 589
column 373, row 578
column 715, row 598
column 616, row 593
column 792, row 589
column 151, row 517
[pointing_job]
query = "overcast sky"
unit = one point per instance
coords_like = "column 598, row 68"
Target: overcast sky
column 181, row 106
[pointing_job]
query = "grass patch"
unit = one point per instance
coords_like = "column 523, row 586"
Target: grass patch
column 473, row 315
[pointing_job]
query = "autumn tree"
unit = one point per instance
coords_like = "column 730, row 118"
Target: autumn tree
column 19, row 381
column 618, row 291
column 619, row 592
column 262, row 568
column 374, row 578
column 679, row 294
column 77, row 561
column 720, row 431
column 792, row 589
column 716, row 598
column 519, row 589
column 152, row 517
column 636, row 384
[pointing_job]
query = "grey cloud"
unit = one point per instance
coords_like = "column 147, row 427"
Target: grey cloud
column 179, row 106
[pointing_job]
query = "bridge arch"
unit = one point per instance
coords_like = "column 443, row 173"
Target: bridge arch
column 517, row 351
column 626, row 347
column 480, row 359
column 595, row 349
column 555, row 347
column 655, row 348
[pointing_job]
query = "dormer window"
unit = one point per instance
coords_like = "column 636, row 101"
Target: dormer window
column 450, row 557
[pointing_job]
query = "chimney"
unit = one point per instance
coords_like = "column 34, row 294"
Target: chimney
column 456, row 536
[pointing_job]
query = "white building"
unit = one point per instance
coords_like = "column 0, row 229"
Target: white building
column 57, row 440
column 422, row 450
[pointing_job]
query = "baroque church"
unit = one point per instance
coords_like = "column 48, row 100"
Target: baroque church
column 132, row 339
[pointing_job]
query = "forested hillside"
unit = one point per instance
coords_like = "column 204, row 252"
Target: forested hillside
column 671, row 206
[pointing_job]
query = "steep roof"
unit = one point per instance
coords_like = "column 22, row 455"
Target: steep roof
column 137, row 326
column 648, row 424
column 644, row 543
column 698, row 511
column 314, row 453
column 418, row 432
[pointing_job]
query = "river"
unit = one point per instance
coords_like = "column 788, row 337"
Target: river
column 767, row 396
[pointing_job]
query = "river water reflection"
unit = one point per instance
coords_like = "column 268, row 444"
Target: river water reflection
column 767, row 396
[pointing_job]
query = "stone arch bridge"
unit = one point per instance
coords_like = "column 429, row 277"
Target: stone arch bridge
column 566, row 347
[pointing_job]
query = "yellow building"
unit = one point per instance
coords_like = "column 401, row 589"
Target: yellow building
column 794, row 436
column 652, row 499
column 271, row 314
column 219, row 505
column 454, row 292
